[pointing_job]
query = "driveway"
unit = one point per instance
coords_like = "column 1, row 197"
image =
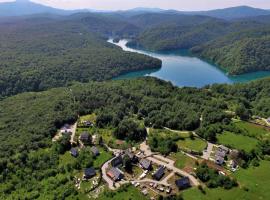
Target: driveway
column 171, row 167
column 168, row 163
column 109, row 181
column 207, row 152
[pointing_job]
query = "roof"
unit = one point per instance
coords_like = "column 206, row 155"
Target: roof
column 66, row 126
column 117, row 161
column 219, row 159
column 220, row 153
column 130, row 154
column 114, row 173
column 74, row 152
column 95, row 150
column 233, row 163
column 85, row 136
column 223, row 148
column 145, row 163
column 89, row 172
column 159, row 173
column 183, row 182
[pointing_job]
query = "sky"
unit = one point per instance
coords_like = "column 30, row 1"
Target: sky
column 184, row 5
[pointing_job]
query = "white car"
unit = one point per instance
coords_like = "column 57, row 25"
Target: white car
column 161, row 189
column 137, row 184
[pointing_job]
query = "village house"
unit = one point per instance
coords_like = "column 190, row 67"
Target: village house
column 117, row 161
column 85, row 138
column 159, row 173
column 89, row 173
column 220, row 155
column 95, row 151
column 131, row 156
column 74, row 152
column 145, row 164
column 182, row 183
column 87, row 123
column 115, row 174
column 66, row 129
column 224, row 149
column 219, row 160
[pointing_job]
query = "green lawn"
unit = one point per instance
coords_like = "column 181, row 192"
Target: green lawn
column 253, row 130
column 256, row 180
column 130, row 193
column 185, row 142
column 237, row 141
column 182, row 161
column 106, row 133
column 91, row 117
column 102, row 158
column 164, row 133
column 66, row 159
column 195, row 144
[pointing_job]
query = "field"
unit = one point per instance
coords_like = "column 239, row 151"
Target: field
column 164, row 133
column 128, row 193
column 253, row 130
column 91, row 118
column 102, row 158
column 253, row 185
column 182, row 161
column 240, row 142
column 66, row 159
column 195, row 144
column 184, row 141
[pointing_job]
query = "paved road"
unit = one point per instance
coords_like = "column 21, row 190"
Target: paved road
column 115, row 151
column 155, row 158
column 105, row 177
column 207, row 153
column 165, row 180
column 168, row 163
column 105, row 166
column 190, row 155
column 171, row 166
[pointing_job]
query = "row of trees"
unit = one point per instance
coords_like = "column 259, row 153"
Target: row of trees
column 213, row 179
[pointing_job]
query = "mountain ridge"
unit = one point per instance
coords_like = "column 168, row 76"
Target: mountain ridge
column 27, row 7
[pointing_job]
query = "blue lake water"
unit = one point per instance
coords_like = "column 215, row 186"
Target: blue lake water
column 183, row 69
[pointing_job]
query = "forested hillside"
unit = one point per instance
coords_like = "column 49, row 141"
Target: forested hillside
column 28, row 122
column 239, row 46
column 240, row 52
column 41, row 53
column 45, row 51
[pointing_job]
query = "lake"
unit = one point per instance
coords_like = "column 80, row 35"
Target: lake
column 183, row 69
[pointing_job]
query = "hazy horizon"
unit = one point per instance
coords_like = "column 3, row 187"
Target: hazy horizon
column 183, row 5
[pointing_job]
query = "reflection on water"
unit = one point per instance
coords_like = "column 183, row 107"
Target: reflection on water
column 183, row 69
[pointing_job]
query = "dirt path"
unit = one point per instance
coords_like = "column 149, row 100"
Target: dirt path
column 73, row 132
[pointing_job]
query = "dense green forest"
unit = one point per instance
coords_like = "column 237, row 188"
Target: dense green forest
column 239, row 53
column 28, row 122
column 68, row 56
column 36, row 116
column 54, row 51
column 37, row 54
